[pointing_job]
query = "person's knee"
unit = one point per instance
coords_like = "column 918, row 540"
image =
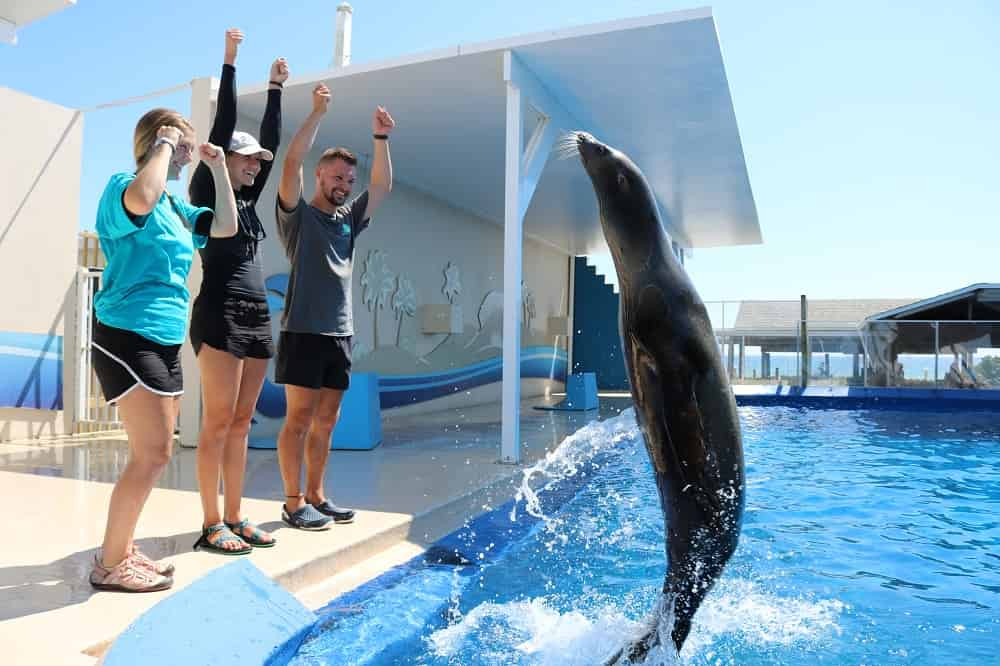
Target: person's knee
column 242, row 419
column 215, row 427
column 326, row 420
column 298, row 421
column 154, row 455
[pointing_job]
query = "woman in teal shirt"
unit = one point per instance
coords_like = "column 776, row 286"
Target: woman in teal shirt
column 141, row 311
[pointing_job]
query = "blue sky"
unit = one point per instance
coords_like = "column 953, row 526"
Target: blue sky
column 871, row 131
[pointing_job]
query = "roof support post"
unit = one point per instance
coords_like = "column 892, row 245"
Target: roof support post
column 190, row 414
column 523, row 169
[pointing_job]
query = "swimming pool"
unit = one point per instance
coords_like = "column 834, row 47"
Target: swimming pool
column 870, row 537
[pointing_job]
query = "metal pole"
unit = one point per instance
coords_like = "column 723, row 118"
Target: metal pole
column 804, row 341
column 937, row 348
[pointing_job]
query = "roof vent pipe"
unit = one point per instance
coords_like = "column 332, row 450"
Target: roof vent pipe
column 342, row 43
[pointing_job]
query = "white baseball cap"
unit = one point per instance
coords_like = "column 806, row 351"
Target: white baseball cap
column 244, row 144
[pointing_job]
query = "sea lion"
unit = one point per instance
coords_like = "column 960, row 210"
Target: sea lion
column 684, row 406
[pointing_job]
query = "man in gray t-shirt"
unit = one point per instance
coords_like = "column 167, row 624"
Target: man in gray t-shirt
column 314, row 348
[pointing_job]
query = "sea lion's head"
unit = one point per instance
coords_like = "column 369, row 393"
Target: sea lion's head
column 628, row 210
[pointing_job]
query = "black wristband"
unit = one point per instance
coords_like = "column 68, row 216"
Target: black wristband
column 277, row 83
column 381, row 137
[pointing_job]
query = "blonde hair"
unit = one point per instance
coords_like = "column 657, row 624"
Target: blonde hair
column 148, row 126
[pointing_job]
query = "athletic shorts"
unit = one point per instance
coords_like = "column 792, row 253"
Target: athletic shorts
column 237, row 326
column 124, row 360
column 313, row 361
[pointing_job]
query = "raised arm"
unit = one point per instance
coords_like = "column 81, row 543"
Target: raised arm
column 226, row 222
column 380, row 183
column 270, row 125
column 150, row 181
column 202, row 187
column 290, row 186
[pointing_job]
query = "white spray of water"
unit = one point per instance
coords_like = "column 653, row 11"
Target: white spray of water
column 566, row 461
column 535, row 632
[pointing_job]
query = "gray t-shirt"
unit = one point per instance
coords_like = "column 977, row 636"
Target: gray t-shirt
column 320, row 248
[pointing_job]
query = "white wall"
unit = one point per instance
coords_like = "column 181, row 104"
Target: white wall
column 420, row 235
column 39, row 220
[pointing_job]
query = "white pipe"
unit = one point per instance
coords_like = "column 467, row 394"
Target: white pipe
column 342, row 43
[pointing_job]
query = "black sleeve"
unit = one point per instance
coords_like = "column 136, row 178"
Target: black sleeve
column 270, row 137
column 225, row 109
column 358, row 208
column 201, row 191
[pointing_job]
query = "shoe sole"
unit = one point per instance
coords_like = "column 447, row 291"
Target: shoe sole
column 324, row 526
column 121, row 588
column 345, row 521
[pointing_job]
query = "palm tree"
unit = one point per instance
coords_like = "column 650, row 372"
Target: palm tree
column 452, row 282
column 527, row 306
column 376, row 285
column 404, row 302
column 452, row 288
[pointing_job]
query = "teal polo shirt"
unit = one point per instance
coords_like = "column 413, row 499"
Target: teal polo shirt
column 144, row 285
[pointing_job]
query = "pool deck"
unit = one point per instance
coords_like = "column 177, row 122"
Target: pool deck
column 431, row 474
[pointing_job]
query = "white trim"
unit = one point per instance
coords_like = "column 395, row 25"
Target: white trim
column 495, row 45
column 933, row 300
column 8, row 32
column 114, row 400
column 135, row 376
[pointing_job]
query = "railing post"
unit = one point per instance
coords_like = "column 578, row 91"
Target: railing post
column 804, row 342
column 937, row 348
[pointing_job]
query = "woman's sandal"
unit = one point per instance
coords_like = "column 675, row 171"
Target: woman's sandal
column 226, row 536
column 254, row 538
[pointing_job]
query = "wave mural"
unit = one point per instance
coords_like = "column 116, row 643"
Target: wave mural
column 399, row 390
column 31, row 370
column 476, row 352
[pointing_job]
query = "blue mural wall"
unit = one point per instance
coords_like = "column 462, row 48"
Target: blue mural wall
column 31, row 369
column 396, row 390
column 597, row 345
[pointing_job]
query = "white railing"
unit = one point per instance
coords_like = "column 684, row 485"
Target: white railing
column 93, row 413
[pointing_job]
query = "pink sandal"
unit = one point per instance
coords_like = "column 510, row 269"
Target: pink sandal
column 161, row 568
column 129, row 575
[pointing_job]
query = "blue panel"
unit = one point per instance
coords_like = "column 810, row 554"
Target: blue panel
column 597, row 344
column 581, row 394
column 856, row 397
column 233, row 615
column 394, row 391
column 31, row 368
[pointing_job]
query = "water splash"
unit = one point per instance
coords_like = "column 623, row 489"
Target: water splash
column 569, row 458
column 533, row 632
column 536, row 631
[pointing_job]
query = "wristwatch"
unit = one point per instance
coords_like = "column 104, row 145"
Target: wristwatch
column 163, row 139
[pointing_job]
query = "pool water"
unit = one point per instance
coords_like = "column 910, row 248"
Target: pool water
column 870, row 537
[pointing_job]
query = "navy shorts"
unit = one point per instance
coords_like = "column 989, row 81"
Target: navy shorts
column 313, row 361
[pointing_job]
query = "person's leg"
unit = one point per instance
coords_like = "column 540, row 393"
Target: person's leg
column 149, row 422
column 221, row 373
column 234, row 458
column 302, row 403
column 318, row 442
column 336, row 380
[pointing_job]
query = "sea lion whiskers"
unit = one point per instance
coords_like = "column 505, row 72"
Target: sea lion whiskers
column 565, row 146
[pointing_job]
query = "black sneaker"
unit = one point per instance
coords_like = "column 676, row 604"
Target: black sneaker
column 306, row 518
column 339, row 514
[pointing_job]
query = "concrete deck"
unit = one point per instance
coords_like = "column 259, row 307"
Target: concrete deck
column 431, row 473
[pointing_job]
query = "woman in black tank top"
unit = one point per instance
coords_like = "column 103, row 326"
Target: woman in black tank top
column 230, row 320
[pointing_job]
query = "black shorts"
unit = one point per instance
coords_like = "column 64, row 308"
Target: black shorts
column 313, row 361
column 123, row 360
column 238, row 326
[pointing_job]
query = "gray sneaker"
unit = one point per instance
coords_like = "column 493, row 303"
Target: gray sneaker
column 306, row 518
